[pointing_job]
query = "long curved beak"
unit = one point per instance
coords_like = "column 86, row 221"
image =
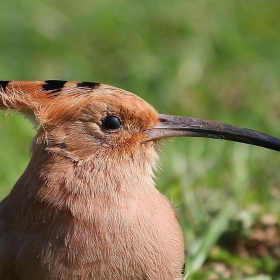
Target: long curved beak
column 175, row 126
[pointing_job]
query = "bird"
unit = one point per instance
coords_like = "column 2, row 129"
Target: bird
column 86, row 206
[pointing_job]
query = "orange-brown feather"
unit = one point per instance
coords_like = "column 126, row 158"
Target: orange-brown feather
column 86, row 206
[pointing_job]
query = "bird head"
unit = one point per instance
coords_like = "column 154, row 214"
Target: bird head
column 81, row 120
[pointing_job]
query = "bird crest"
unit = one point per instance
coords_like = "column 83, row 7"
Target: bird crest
column 53, row 101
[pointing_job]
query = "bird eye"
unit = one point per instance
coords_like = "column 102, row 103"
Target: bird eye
column 112, row 122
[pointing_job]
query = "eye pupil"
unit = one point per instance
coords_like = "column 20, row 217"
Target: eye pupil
column 112, row 122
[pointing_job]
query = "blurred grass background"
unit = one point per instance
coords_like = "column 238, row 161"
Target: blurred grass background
column 210, row 59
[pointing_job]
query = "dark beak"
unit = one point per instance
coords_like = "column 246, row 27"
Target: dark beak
column 174, row 126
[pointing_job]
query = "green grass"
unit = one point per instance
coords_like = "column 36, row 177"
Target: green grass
column 210, row 59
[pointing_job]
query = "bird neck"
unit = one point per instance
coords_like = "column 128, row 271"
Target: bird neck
column 58, row 182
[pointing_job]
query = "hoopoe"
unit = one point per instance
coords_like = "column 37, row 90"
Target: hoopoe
column 86, row 206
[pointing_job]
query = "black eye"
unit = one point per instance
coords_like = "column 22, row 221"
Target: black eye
column 112, row 122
